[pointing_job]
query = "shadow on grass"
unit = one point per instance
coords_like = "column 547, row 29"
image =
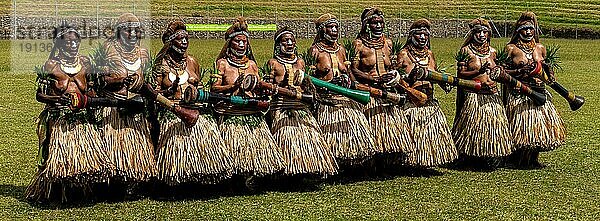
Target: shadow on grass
column 18, row 193
column 237, row 186
column 12, row 191
column 475, row 164
column 365, row 173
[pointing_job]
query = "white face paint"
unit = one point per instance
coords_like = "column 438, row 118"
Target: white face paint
column 525, row 38
column 241, row 44
column 184, row 41
column 480, row 37
column 178, row 50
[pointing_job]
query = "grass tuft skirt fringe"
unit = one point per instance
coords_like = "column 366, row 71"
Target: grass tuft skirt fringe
column 391, row 128
column 76, row 159
column 346, row 129
column 533, row 127
column 252, row 147
column 481, row 129
column 304, row 149
column 196, row 154
column 433, row 140
column 128, row 145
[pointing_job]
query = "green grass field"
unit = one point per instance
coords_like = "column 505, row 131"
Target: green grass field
column 568, row 188
column 552, row 13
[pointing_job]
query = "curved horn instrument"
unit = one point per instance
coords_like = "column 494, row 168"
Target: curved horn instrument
column 498, row 74
column 187, row 116
column 378, row 93
column 575, row 101
column 251, row 82
column 193, row 95
column 362, row 97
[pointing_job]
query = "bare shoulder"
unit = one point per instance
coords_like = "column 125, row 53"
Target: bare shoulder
column 50, row 65
column 403, row 53
column 539, row 46
column 221, row 63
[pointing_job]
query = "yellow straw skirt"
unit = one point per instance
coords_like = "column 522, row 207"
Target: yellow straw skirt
column 192, row 154
column 302, row 145
column 391, row 127
column 481, row 129
column 346, row 129
column 533, row 127
column 76, row 159
column 251, row 145
column 433, row 140
column 128, row 145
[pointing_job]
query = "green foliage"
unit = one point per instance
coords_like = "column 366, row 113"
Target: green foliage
column 350, row 49
column 552, row 57
column 205, row 73
column 397, row 46
column 100, row 65
column 502, row 56
column 265, row 70
column 462, row 56
column 309, row 60
column 148, row 67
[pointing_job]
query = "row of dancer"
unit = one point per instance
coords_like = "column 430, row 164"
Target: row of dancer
column 124, row 117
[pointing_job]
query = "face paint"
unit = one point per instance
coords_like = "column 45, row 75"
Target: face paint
column 70, row 45
column 420, row 38
column 288, row 44
column 481, row 36
column 129, row 36
column 376, row 26
column 331, row 32
column 239, row 45
column 180, row 43
column 526, row 34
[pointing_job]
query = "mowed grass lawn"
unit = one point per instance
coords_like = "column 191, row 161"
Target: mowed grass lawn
column 568, row 188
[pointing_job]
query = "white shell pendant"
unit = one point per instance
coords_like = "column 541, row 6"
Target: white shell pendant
column 71, row 70
column 183, row 78
column 133, row 67
column 423, row 61
column 529, row 56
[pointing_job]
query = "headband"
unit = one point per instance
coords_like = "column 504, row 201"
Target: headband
column 174, row 35
column 230, row 36
column 129, row 25
column 62, row 33
column 331, row 20
column 283, row 32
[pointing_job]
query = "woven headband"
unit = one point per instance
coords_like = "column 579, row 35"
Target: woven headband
column 62, row 33
column 230, row 36
column 282, row 33
column 331, row 20
column 371, row 16
column 173, row 36
column 129, row 25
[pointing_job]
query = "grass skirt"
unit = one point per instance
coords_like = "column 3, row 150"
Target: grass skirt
column 433, row 140
column 192, row 154
column 391, row 129
column 76, row 159
column 481, row 129
column 128, row 145
column 251, row 145
column 533, row 127
column 302, row 145
column 346, row 129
